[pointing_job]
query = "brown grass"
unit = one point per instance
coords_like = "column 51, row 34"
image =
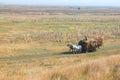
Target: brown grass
column 71, row 67
column 90, row 70
column 33, row 44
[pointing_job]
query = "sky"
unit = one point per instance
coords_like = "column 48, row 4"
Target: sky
column 63, row 2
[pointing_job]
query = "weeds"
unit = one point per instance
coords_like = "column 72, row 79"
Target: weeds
column 33, row 44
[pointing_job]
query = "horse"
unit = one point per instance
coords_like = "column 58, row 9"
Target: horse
column 75, row 48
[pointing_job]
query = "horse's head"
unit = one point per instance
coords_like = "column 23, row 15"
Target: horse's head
column 70, row 45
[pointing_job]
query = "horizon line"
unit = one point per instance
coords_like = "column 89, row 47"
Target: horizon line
column 56, row 5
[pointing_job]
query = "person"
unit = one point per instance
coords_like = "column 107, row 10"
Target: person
column 82, row 41
column 83, row 44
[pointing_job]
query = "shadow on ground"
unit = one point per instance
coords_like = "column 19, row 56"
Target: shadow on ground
column 69, row 53
column 66, row 53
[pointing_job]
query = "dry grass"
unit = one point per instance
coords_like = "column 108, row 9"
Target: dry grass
column 33, row 45
column 90, row 70
column 66, row 67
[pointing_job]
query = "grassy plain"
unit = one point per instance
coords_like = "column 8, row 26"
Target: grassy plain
column 33, row 43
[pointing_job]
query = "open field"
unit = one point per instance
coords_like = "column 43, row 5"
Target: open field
column 33, row 43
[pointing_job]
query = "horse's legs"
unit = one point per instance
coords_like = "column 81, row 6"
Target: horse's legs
column 72, row 50
column 79, row 50
column 75, row 51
